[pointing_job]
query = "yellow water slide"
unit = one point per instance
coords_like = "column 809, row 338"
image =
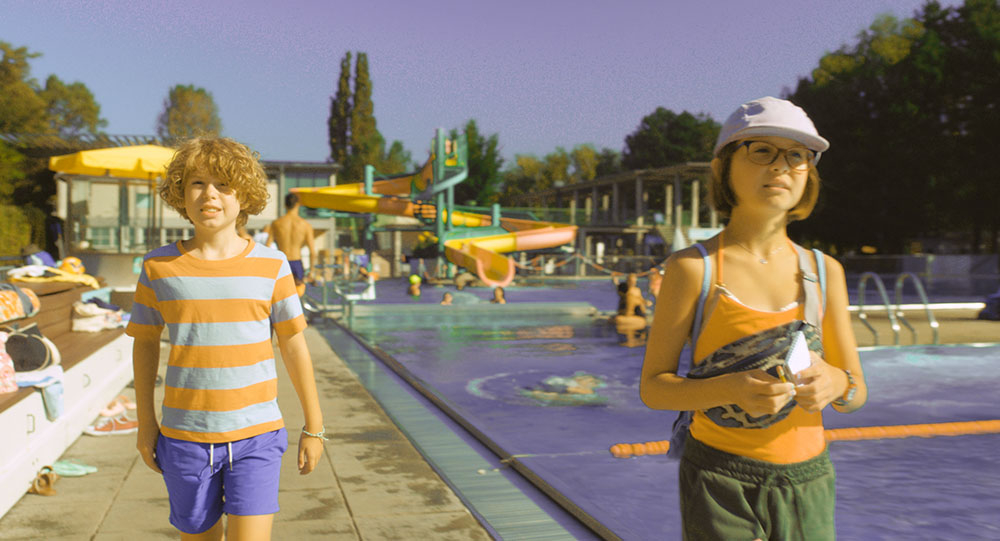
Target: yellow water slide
column 481, row 255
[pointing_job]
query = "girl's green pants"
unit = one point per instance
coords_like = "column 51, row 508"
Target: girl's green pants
column 730, row 497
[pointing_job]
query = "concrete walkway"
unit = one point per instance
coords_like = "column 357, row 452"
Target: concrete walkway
column 371, row 484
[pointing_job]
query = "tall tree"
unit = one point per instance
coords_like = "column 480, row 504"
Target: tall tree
column 484, row 161
column 71, row 108
column 366, row 142
column 665, row 138
column 22, row 110
column 585, row 161
column 188, row 111
column 340, row 114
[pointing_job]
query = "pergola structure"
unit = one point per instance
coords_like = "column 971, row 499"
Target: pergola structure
column 44, row 145
column 618, row 204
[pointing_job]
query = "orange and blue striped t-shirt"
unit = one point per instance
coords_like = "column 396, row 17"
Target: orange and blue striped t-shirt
column 221, row 382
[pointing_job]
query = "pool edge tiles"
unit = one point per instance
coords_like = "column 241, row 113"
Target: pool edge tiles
column 497, row 501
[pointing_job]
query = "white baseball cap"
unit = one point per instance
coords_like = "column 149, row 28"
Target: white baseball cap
column 771, row 116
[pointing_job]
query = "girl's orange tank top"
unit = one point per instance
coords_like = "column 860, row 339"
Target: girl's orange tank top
column 797, row 437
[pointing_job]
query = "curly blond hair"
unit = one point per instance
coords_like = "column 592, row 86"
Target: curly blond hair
column 222, row 158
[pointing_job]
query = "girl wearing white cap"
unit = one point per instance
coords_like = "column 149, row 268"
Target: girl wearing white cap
column 771, row 339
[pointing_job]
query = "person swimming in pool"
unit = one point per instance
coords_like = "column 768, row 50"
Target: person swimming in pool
column 498, row 296
column 413, row 289
column 739, row 297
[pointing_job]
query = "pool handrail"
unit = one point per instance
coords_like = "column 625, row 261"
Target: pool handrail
column 862, row 282
column 900, row 281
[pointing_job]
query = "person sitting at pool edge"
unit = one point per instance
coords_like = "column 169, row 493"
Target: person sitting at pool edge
column 740, row 296
column 631, row 318
column 465, row 279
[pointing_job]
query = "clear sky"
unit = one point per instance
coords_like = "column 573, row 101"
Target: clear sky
column 540, row 73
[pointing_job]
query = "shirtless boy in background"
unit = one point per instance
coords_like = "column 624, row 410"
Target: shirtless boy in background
column 291, row 232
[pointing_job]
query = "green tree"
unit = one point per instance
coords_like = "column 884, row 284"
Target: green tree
column 188, row 111
column 396, row 160
column 609, row 162
column 340, row 114
column 665, row 138
column 556, row 166
column 366, row 142
column 527, row 175
column 60, row 109
column 22, row 110
column 71, row 109
column 11, row 172
column 911, row 110
column 483, row 184
column 585, row 162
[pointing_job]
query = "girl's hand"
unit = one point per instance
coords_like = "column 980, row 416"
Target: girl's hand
column 759, row 393
column 310, row 450
column 819, row 384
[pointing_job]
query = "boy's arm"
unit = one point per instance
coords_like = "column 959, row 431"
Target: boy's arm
column 145, row 365
column 298, row 362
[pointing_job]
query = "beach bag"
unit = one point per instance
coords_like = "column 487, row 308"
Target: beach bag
column 681, row 426
column 16, row 302
column 29, row 349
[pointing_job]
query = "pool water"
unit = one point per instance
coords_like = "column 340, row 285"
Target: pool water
column 554, row 392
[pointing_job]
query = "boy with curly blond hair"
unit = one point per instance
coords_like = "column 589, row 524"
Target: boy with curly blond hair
column 221, row 437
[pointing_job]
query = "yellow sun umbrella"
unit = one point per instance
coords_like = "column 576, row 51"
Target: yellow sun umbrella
column 140, row 161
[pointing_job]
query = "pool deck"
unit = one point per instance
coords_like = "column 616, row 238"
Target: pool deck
column 371, row 483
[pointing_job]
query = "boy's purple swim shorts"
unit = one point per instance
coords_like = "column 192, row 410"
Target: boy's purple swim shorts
column 205, row 480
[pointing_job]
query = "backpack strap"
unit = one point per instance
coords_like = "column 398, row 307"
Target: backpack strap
column 821, row 271
column 699, row 311
column 815, row 300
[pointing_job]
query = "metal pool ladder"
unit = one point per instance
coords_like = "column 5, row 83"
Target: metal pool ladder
column 923, row 299
column 895, row 316
column 863, row 316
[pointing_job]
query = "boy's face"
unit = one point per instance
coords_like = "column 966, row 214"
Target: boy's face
column 210, row 203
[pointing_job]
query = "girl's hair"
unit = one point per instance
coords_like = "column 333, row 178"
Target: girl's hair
column 224, row 159
column 720, row 189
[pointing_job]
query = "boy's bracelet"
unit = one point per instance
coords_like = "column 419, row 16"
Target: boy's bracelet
column 321, row 434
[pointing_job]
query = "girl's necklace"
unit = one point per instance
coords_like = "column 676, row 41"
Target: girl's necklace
column 760, row 259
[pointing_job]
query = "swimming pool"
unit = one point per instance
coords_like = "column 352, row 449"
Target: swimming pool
column 504, row 375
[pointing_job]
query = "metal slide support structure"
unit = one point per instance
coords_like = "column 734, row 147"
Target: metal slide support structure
column 450, row 169
column 862, row 282
column 900, row 280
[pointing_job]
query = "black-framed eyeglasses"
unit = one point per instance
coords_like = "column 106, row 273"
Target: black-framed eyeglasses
column 764, row 153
